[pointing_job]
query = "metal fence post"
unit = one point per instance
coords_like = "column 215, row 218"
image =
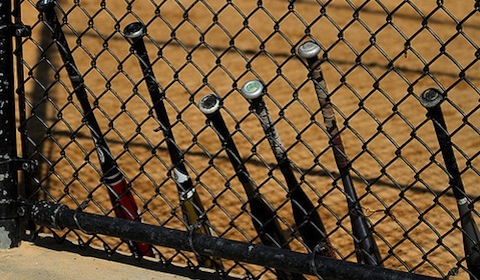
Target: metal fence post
column 9, row 218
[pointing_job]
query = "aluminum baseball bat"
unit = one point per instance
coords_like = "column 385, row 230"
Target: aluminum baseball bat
column 307, row 219
column 124, row 204
column 365, row 246
column 431, row 99
column 192, row 207
column 263, row 215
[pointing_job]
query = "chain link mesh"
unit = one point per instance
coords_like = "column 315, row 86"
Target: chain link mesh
column 377, row 57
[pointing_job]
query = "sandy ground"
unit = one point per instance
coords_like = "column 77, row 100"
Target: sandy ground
column 376, row 68
column 32, row 261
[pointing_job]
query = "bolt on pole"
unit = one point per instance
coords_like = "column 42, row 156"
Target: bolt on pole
column 9, row 218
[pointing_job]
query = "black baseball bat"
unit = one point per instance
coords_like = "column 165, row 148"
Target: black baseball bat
column 124, row 204
column 431, row 99
column 306, row 218
column 365, row 246
column 263, row 215
column 191, row 204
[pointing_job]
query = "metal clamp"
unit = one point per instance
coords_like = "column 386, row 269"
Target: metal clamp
column 16, row 29
column 313, row 265
column 26, row 165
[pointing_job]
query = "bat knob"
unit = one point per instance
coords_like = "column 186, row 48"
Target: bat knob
column 431, row 97
column 134, row 30
column 252, row 89
column 44, row 5
column 309, row 49
column 209, row 104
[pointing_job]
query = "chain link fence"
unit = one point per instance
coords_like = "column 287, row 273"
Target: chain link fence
column 377, row 57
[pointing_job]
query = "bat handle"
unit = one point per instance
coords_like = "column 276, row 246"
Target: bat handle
column 192, row 213
column 125, row 207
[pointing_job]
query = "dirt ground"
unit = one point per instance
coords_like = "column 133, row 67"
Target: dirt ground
column 33, row 260
column 378, row 60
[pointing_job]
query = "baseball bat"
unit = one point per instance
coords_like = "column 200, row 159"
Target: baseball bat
column 192, row 207
column 124, row 204
column 431, row 99
column 365, row 246
column 306, row 218
column 263, row 215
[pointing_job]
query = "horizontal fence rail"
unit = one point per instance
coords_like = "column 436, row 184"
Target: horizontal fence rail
column 59, row 216
column 341, row 135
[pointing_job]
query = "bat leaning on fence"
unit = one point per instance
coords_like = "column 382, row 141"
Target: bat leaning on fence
column 263, row 215
column 366, row 249
column 306, row 218
column 124, row 204
column 431, row 99
column 191, row 204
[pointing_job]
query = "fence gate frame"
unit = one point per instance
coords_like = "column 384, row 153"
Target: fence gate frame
column 14, row 207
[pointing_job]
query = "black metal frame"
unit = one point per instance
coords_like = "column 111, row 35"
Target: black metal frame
column 9, row 218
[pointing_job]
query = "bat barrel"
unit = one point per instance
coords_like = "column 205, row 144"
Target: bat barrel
column 134, row 30
column 252, row 89
column 309, row 49
column 209, row 104
column 431, row 99
column 45, row 5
